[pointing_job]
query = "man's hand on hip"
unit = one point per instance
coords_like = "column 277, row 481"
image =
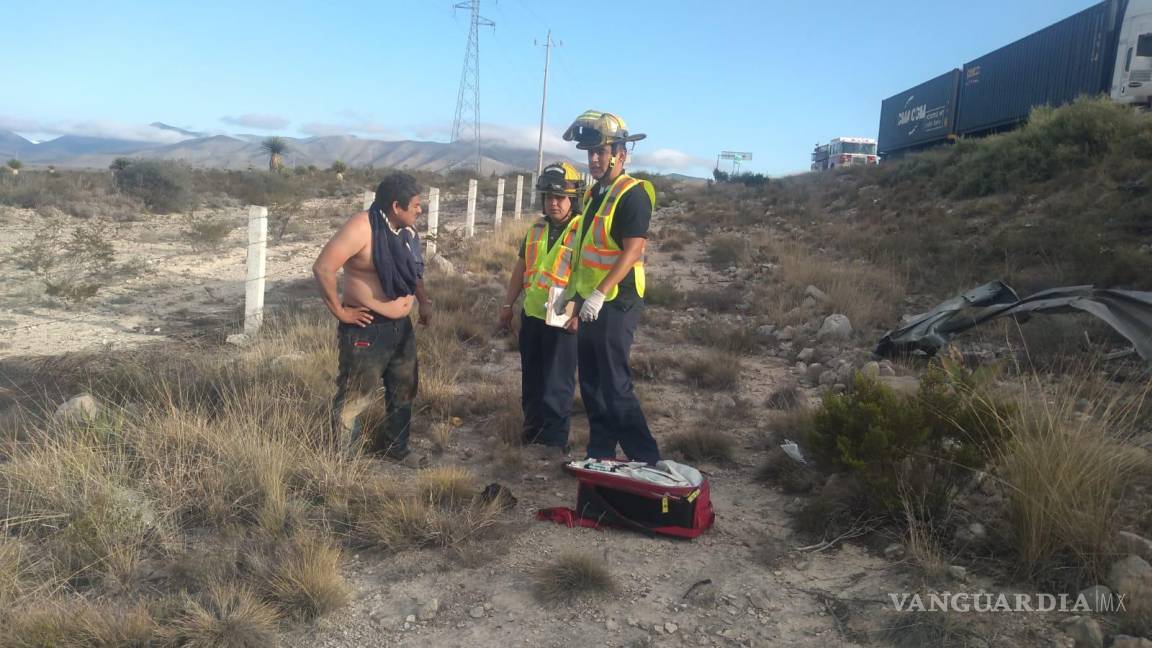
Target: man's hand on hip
column 592, row 305
column 358, row 315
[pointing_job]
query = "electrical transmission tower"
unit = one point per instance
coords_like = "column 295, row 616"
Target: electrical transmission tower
column 466, row 126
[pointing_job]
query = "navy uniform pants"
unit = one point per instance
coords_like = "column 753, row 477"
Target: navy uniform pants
column 548, row 381
column 614, row 414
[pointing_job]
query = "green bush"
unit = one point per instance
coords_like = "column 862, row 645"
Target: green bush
column 923, row 446
column 163, row 187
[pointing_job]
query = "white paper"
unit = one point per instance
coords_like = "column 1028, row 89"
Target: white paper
column 556, row 300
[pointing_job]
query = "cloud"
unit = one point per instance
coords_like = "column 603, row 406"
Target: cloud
column 667, row 159
column 93, row 128
column 351, row 122
column 257, row 120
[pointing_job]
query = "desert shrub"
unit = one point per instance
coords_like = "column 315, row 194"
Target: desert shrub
column 72, row 266
column 204, row 232
column 927, row 444
column 572, row 576
column 704, row 442
column 661, row 293
column 162, row 186
column 728, row 250
column 716, row 370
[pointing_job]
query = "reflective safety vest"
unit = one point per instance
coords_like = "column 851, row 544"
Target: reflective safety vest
column 543, row 267
column 598, row 250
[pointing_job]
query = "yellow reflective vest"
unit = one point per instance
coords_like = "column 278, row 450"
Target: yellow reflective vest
column 598, row 250
column 544, row 267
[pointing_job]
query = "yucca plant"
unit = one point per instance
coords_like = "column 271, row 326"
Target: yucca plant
column 275, row 147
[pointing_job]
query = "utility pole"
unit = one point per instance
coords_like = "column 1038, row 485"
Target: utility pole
column 548, row 43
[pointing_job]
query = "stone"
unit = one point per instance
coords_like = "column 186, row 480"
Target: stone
column 411, row 618
column 427, row 610
column 970, row 534
column 806, row 354
column 236, row 339
column 835, row 327
column 894, row 551
column 477, row 612
column 1099, row 598
column 887, row 370
column 1086, row 632
column 904, row 384
column 1130, row 575
column 82, row 407
column 812, row 373
column 442, row 264
column 786, row 334
column 816, row 294
column 1131, row 543
column 671, row 628
column 871, row 369
column 809, row 305
column 828, row 378
column 724, row 400
column 1127, row 641
column 958, row 572
column 766, row 330
column 611, row 625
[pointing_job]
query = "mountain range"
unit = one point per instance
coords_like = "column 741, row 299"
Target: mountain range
column 243, row 151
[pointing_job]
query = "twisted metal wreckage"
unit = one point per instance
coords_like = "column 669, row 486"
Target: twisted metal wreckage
column 1128, row 312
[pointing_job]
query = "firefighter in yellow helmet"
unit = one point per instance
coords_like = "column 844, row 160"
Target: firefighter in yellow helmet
column 547, row 353
column 608, row 285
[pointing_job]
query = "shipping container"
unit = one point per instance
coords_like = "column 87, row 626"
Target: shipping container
column 919, row 116
column 1052, row 66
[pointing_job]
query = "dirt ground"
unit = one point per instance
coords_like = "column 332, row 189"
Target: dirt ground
column 482, row 596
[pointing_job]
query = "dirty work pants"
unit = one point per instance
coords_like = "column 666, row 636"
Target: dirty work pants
column 547, row 381
column 376, row 360
column 614, row 414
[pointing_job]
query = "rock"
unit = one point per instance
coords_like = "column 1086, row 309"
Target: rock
column 903, row 384
column 427, row 610
column 237, row 339
column 970, row 534
column 724, row 400
column 828, row 378
column 886, row 369
column 1130, row 575
column 287, row 359
column 442, row 264
column 1131, row 543
column 477, row 612
column 871, row 369
column 813, row 371
column 1099, row 598
column 766, row 330
column 957, row 572
column 894, row 551
column 611, row 625
column 816, row 294
column 1086, row 632
column 835, row 327
column 806, row 354
column 632, row 622
column 1126, row 641
column 786, row 334
column 809, row 305
column 671, row 628
column 82, row 407
column 411, row 618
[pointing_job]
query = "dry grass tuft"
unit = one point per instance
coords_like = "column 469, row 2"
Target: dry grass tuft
column 226, row 616
column 572, row 576
column 786, row 397
column 446, row 486
column 1064, row 471
column 301, row 577
column 705, row 442
column 717, row 371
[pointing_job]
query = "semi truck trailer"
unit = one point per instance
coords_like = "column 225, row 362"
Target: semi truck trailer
column 1105, row 49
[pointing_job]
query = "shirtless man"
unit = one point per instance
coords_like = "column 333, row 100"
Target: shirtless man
column 376, row 338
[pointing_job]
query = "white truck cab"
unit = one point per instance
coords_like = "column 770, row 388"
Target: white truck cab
column 1132, row 79
column 845, row 151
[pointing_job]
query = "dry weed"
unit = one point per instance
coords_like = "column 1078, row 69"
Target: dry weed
column 572, row 576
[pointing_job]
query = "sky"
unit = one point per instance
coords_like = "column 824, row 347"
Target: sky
column 769, row 77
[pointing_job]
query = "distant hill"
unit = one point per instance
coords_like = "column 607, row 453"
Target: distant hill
column 243, row 151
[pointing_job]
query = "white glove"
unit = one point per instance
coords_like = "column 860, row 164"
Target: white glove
column 592, row 305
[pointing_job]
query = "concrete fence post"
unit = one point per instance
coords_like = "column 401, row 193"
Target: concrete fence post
column 499, row 203
column 257, row 264
column 369, row 198
column 470, row 217
column 532, row 191
column 519, row 196
column 433, row 222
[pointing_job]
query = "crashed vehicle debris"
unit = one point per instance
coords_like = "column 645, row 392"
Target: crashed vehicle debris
column 1128, row 312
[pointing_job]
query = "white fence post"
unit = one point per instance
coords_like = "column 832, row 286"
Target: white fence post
column 532, row 191
column 257, row 256
column 470, row 217
column 519, row 196
column 433, row 222
column 369, row 198
column 499, row 203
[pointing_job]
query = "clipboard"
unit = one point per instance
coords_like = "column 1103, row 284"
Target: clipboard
column 567, row 309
